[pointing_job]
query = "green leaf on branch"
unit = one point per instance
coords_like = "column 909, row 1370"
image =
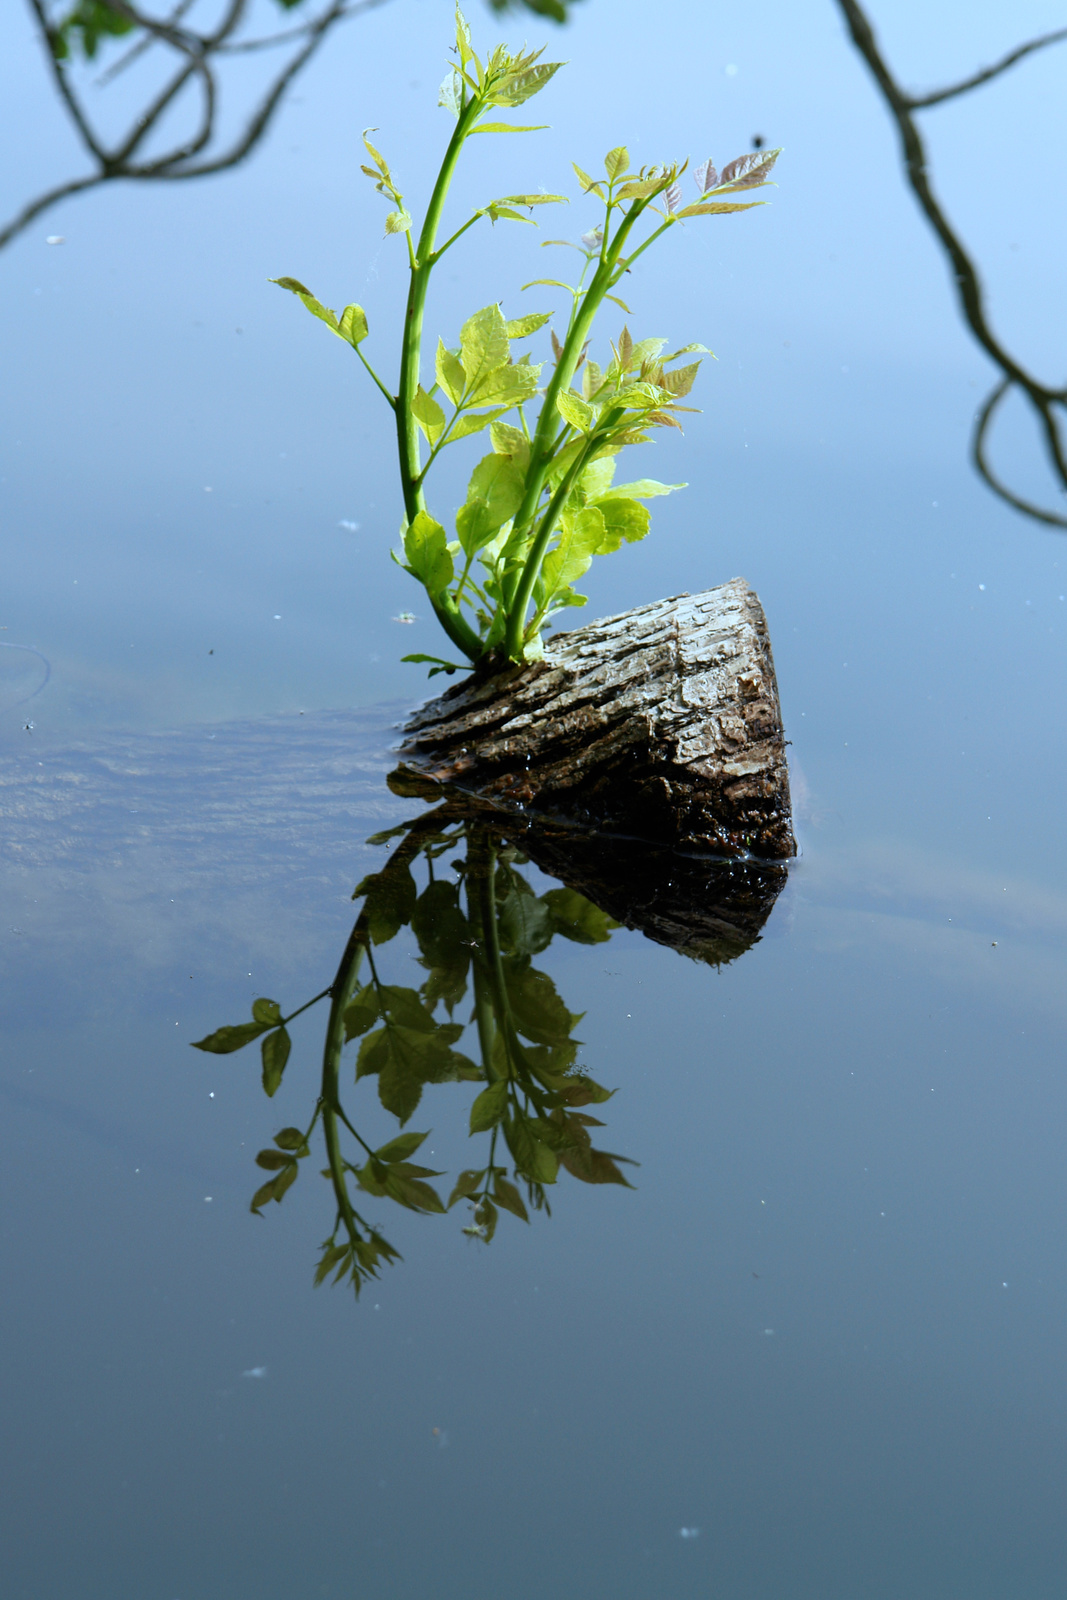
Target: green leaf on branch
column 268, row 1012
column 508, row 127
column 616, row 162
column 522, row 86
column 589, row 185
column 426, row 547
column 467, row 1184
column 474, row 421
column 398, row 1149
column 428, row 415
column 398, row 222
column 538, row 1011
column 575, row 551
column 505, row 1194
column 276, row 1188
column 449, row 373
column 624, row 520
column 292, row 1139
column 494, row 494
column 573, row 409
column 716, row 208
column 353, row 325
column 361, row 1013
column 275, row 1051
column 305, row 295
column 643, row 489
column 390, row 901
column 522, row 327
column 483, row 344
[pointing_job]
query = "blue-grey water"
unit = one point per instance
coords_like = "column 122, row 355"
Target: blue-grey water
column 819, row 1352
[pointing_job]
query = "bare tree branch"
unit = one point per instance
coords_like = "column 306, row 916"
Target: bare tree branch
column 937, row 96
column 1042, row 398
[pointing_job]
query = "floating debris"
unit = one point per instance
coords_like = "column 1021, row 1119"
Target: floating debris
column 255, row 1372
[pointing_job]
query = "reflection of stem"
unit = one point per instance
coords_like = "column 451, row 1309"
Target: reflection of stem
column 1042, row 398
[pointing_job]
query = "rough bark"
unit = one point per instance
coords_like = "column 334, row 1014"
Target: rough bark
column 661, row 724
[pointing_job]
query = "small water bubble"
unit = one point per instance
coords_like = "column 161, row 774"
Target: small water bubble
column 689, row 1533
column 349, row 527
column 255, row 1372
column 55, row 238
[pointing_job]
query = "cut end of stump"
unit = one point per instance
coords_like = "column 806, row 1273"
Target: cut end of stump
column 660, row 724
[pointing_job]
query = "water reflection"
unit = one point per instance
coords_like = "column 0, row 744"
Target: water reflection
column 455, row 879
column 180, row 64
column 1047, row 403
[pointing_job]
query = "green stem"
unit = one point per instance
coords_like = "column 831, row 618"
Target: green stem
column 407, row 428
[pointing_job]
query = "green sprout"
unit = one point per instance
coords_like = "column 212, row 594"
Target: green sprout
column 544, row 502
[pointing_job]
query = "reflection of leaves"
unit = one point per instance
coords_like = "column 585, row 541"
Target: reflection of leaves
column 533, row 1157
column 489, row 1107
column 225, row 1040
column 577, row 918
column 505, row 1194
column 444, row 935
column 467, row 1184
column 526, row 925
column 362, row 1012
column 401, row 1182
column 275, row 1050
column 538, row 1011
column 390, row 900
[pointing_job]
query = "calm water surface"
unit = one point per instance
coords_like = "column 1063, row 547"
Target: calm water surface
column 818, row 1351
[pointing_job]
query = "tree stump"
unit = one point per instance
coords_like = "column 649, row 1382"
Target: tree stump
column 661, row 724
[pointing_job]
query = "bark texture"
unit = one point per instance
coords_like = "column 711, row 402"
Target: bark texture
column 662, row 724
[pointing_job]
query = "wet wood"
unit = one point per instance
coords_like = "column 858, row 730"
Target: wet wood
column 661, row 724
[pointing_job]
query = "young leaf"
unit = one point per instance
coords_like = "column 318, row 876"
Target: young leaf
column 508, row 127
column 292, row 1139
column 474, row 421
column 509, row 441
column 522, row 86
column 426, row 547
column 643, row 489
column 316, row 307
column 428, row 415
column 643, row 188
column 573, row 409
column 353, row 325
column 717, row 208
column 589, row 185
column 449, row 373
column 577, row 918
column 531, row 200
column 275, row 1051
column 748, row 171
column 616, row 161
column 522, row 327
column 398, row 222
column 268, row 1011
column 483, row 344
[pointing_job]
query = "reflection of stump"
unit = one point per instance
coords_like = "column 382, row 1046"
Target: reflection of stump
column 661, row 724
column 712, row 910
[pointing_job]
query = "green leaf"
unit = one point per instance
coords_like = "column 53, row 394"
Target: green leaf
column 275, row 1050
column 505, row 1194
column 267, row 1011
column 353, row 325
column 680, row 381
column 474, row 421
column 624, row 520
column 361, row 1013
column 508, row 127
column 716, row 208
column 538, row 1011
column 589, row 185
column 573, row 409
column 398, row 222
column 428, row 415
column 411, row 1192
column 276, row 1188
column 510, row 385
column 483, row 344
column 426, row 547
column 316, row 307
column 534, row 1159
column 522, row 327
column 292, row 1139
column 522, row 86
column 525, row 925
column 531, row 200
column 449, row 373
column 553, row 283
column 616, row 161
column 466, row 1184
column 225, row 1040
column 577, row 918
column 273, row 1160
column 489, row 1107
column 404, row 1007
column 643, row 489
column 439, row 664
column 493, row 495
column 509, row 441
column 390, row 902
column 619, row 302
column 593, row 1166
column 575, row 551
column 398, row 1149
column 643, row 188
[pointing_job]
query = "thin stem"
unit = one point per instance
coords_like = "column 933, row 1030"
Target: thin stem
column 391, row 398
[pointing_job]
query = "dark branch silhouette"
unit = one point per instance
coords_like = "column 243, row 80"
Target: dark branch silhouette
column 192, row 71
column 1048, row 404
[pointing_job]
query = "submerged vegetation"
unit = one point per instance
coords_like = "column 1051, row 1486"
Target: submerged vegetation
column 543, row 502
